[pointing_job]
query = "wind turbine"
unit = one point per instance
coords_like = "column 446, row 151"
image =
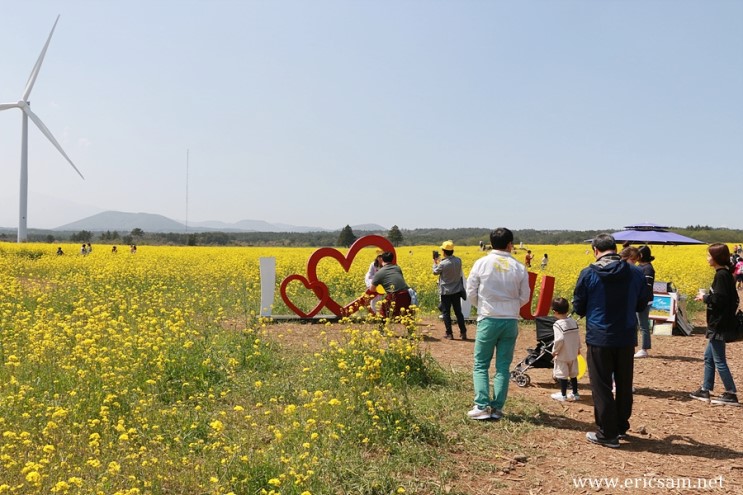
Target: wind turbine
column 25, row 107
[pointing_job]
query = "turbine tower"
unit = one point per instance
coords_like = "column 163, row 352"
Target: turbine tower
column 25, row 107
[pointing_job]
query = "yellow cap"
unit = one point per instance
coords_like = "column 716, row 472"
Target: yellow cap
column 447, row 246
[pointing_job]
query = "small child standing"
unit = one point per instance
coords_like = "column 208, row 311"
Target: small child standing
column 565, row 350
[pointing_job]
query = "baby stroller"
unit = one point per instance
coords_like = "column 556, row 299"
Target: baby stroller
column 539, row 357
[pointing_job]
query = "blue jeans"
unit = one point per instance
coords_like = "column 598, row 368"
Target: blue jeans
column 714, row 357
column 644, row 321
column 494, row 336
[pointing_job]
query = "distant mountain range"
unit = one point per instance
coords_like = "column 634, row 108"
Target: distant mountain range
column 125, row 222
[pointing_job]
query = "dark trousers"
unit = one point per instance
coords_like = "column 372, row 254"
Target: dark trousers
column 448, row 302
column 564, row 385
column 607, row 364
column 394, row 303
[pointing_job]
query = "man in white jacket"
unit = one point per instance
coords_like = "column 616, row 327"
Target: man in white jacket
column 498, row 286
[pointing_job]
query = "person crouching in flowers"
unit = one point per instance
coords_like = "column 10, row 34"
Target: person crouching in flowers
column 565, row 350
column 390, row 277
column 722, row 304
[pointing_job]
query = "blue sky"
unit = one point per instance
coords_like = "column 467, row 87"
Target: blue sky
column 530, row 114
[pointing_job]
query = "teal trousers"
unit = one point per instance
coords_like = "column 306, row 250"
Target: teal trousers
column 495, row 336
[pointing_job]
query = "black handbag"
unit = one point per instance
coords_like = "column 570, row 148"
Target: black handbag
column 736, row 334
column 463, row 292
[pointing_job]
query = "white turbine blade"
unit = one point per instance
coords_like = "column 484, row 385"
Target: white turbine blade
column 37, row 67
column 49, row 136
column 5, row 106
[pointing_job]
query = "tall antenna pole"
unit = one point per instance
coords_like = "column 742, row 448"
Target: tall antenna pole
column 187, row 152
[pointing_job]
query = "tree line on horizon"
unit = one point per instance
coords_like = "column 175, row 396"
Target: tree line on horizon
column 397, row 236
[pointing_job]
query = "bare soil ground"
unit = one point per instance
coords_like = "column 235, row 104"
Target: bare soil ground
column 671, row 437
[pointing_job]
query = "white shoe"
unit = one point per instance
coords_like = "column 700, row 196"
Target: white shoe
column 477, row 413
column 559, row 396
column 496, row 414
column 574, row 397
column 642, row 353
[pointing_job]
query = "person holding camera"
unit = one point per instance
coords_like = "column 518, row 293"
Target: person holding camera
column 451, row 288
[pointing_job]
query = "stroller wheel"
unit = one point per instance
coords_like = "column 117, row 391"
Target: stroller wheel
column 522, row 380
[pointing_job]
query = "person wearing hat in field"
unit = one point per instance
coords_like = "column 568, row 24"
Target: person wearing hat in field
column 373, row 269
column 643, row 317
column 390, row 277
column 451, row 287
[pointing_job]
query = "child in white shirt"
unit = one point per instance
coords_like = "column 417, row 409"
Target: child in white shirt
column 565, row 350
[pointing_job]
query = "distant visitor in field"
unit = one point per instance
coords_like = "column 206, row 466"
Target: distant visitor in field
column 83, row 249
column 565, row 350
column 451, row 288
column 59, row 251
column 722, row 303
column 738, row 272
column 498, row 286
column 133, row 249
column 528, row 258
column 390, row 277
column 114, row 250
column 545, row 260
column 609, row 293
column 736, row 256
column 643, row 317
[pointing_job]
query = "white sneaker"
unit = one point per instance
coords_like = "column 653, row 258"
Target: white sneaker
column 496, row 414
column 559, row 396
column 477, row 413
column 573, row 397
column 642, row 353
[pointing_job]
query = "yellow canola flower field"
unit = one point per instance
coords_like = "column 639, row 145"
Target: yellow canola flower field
column 150, row 373
column 684, row 266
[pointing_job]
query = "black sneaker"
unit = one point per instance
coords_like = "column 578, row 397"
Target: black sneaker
column 612, row 443
column 727, row 399
column 463, row 336
column 448, row 336
column 700, row 394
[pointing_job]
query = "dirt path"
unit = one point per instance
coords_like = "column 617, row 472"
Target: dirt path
column 672, row 436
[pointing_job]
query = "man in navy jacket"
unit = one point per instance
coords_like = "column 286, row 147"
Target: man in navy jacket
column 609, row 292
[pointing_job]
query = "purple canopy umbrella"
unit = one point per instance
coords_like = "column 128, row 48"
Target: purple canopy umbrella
column 649, row 233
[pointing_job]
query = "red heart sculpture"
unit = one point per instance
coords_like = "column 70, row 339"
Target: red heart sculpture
column 319, row 288
column 345, row 261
